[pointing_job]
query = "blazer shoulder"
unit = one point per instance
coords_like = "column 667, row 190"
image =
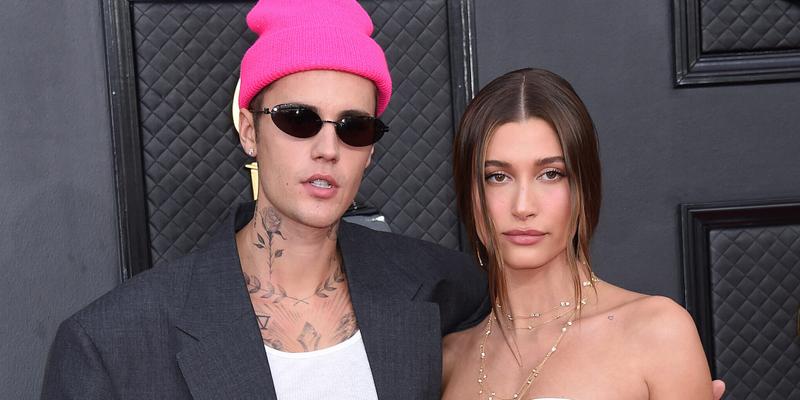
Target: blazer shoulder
column 422, row 257
column 154, row 293
column 449, row 277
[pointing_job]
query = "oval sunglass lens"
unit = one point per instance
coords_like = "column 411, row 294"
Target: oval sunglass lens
column 358, row 131
column 297, row 121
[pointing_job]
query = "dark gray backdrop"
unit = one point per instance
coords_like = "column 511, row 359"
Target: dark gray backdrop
column 660, row 147
column 58, row 230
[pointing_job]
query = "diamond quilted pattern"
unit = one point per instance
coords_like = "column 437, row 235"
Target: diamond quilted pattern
column 748, row 25
column 755, row 276
column 187, row 60
column 410, row 180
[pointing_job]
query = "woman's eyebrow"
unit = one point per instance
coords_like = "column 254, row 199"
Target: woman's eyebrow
column 539, row 162
column 496, row 163
column 550, row 160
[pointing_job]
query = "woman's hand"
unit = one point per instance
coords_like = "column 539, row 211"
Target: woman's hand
column 718, row 388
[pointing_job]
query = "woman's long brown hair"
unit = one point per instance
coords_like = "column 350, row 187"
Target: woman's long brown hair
column 516, row 97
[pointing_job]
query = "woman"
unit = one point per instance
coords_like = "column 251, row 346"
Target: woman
column 527, row 176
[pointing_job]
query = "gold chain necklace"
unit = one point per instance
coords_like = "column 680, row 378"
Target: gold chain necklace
column 561, row 304
column 526, row 385
column 531, row 326
column 538, row 314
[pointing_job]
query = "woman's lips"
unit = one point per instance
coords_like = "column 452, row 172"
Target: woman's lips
column 524, row 237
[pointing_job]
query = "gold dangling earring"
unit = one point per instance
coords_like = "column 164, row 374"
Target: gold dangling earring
column 480, row 262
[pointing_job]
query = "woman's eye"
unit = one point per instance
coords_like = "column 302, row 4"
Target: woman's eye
column 496, row 177
column 552, row 175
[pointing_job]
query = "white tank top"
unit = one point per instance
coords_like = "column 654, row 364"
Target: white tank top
column 337, row 372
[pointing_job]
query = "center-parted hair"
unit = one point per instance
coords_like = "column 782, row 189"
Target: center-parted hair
column 516, row 97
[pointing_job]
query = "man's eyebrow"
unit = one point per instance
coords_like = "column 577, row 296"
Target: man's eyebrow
column 304, row 105
column 351, row 112
column 354, row 112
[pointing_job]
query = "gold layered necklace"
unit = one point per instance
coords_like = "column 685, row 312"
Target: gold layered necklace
column 538, row 314
column 533, row 318
column 526, row 384
column 535, row 371
column 532, row 326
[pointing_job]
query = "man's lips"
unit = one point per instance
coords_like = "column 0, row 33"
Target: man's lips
column 321, row 180
column 321, row 186
column 524, row 237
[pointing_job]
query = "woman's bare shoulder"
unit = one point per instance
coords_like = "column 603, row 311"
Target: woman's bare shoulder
column 659, row 318
column 660, row 332
column 645, row 308
column 456, row 340
column 456, row 346
column 455, row 343
column 649, row 320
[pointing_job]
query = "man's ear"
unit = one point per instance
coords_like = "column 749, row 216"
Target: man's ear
column 247, row 132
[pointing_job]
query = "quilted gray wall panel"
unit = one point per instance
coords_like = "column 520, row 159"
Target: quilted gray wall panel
column 750, row 25
column 755, row 276
column 727, row 41
column 187, row 62
column 187, row 59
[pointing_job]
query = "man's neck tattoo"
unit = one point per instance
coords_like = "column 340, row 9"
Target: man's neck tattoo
column 274, row 293
column 271, row 222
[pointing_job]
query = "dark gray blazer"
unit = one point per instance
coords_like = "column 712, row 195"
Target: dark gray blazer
column 187, row 330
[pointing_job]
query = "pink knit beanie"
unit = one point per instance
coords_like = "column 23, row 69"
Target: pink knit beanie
column 303, row 35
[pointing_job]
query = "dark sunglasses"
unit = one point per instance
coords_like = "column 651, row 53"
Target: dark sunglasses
column 303, row 122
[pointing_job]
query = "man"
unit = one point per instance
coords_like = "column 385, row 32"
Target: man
column 285, row 301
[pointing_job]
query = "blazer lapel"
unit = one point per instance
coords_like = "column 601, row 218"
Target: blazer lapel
column 221, row 354
column 402, row 337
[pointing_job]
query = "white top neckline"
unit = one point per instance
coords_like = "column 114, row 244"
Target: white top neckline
column 341, row 371
column 317, row 353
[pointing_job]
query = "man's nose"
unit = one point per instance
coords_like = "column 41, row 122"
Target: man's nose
column 326, row 144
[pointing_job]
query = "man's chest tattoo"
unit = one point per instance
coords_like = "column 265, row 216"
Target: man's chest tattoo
column 321, row 324
column 263, row 320
column 309, row 338
column 347, row 327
